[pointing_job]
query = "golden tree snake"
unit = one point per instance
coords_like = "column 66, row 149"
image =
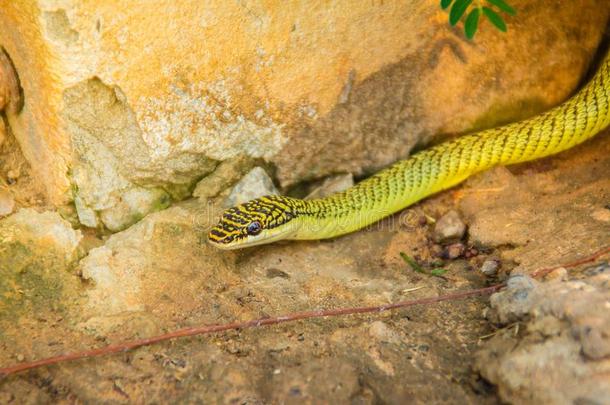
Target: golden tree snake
column 272, row 218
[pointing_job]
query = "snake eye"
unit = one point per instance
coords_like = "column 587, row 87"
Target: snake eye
column 254, row 228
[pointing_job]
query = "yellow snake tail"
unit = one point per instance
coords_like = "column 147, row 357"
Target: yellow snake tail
column 445, row 165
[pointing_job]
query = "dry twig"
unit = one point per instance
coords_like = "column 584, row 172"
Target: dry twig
column 125, row 346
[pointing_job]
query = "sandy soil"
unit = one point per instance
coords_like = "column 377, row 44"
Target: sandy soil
column 160, row 275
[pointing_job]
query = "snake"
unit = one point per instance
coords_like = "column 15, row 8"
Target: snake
column 275, row 217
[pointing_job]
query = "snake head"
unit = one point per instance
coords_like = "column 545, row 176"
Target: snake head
column 263, row 220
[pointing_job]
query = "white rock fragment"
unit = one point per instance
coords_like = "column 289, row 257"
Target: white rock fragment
column 256, row 183
column 449, row 227
column 490, row 267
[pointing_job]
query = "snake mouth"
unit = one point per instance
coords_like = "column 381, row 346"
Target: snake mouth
column 222, row 240
column 224, row 245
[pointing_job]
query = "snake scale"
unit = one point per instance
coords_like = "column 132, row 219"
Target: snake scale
column 271, row 218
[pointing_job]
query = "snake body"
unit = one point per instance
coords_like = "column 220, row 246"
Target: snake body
column 272, row 218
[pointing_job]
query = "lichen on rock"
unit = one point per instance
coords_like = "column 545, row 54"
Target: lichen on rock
column 36, row 252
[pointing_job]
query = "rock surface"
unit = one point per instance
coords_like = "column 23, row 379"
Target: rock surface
column 36, row 249
column 490, row 267
column 449, row 227
column 125, row 121
column 114, row 108
column 161, row 275
column 565, row 341
column 256, row 183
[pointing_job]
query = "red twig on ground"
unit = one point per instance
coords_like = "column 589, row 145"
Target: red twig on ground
column 588, row 259
column 125, row 346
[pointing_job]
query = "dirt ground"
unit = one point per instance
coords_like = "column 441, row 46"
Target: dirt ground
column 160, row 275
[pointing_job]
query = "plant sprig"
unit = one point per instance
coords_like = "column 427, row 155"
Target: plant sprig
column 491, row 11
column 436, row 272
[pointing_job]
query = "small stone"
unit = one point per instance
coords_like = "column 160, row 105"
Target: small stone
column 490, row 267
column 557, row 274
column 256, row 183
column 520, row 282
column 7, row 203
column 471, row 252
column 453, row 251
column 20, row 357
column 449, row 227
column 515, row 301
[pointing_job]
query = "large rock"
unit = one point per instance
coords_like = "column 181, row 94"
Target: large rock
column 562, row 355
column 147, row 99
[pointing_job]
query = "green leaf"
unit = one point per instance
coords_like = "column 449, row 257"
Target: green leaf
column 446, row 3
column 437, row 272
column 494, row 18
column 472, row 22
column 457, row 10
column 411, row 262
column 502, row 5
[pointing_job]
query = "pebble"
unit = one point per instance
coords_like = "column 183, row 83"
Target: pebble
column 559, row 273
column 7, row 203
column 490, row 267
column 515, row 301
column 256, row 183
column 471, row 252
column 519, row 282
column 453, row 251
column 449, row 227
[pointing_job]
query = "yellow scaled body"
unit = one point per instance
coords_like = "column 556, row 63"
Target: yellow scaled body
column 425, row 173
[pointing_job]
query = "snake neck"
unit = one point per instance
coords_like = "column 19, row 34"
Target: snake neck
column 447, row 164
